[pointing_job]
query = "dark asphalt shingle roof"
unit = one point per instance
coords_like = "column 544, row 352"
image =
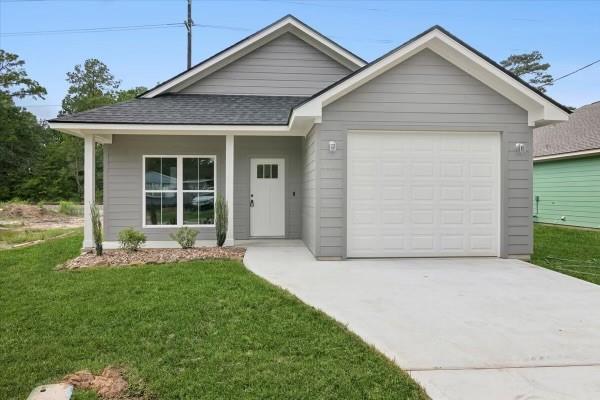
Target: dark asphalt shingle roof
column 580, row 132
column 193, row 109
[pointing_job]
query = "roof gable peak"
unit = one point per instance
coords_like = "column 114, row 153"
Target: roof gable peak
column 288, row 23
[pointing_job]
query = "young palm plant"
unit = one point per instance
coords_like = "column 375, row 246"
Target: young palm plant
column 221, row 220
column 96, row 227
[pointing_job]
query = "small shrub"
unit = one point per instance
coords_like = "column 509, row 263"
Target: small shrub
column 68, row 208
column 96, row 227
column 221, row 220
column 131, row 240
column 186, row 237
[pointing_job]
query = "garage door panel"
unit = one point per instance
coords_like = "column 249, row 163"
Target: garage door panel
column 430, row 194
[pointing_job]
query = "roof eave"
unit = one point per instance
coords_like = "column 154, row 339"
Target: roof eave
column 297, row 126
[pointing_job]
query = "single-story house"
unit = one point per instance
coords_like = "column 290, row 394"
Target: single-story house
column 566, row 170
column 425, row 151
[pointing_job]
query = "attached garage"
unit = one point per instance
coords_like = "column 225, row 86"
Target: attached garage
column 423, row 194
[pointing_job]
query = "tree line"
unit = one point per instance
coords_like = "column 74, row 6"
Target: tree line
column 40, row 164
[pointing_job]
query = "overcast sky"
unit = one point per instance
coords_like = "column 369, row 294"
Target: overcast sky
column 566, row 32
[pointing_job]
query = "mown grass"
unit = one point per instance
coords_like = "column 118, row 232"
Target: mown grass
column 571, row 251
column 209, row 330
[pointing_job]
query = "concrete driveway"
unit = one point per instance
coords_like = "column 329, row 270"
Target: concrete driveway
column 480, row 328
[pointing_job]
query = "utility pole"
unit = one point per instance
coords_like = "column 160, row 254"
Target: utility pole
column 188, row 24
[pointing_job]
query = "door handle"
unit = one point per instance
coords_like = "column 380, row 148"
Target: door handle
column 251, row 202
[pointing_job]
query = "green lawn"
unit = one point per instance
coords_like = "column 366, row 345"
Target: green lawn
column 572, row 251
column 207, row 330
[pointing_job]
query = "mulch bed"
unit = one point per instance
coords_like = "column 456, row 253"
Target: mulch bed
column 113, row 258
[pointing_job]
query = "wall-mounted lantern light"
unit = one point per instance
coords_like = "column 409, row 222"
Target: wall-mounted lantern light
column 520, row 148
column 332, row 146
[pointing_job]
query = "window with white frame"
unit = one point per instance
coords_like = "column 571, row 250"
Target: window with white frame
column 179, row 190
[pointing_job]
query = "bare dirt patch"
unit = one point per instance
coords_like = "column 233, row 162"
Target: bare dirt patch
column 113, row 258
column 110, row 384
column 23, row 216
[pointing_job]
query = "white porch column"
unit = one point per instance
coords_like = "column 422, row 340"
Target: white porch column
column 89, row 189
column 229, row 169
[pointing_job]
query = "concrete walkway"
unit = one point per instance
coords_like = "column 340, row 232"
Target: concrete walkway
column 480, row 328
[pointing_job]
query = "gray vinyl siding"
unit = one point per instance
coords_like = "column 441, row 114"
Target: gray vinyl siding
column 286, row 66
column 123, row 174
column 123, row 161
column 425, row 92
column 309, row 189
column 288, row 148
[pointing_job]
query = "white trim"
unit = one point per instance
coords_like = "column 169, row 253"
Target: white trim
column 288, row 24
column 179, row 191
column 89, row 189
column 573, row 154
column 296, row 127
column 229, row 185
column 540, row 110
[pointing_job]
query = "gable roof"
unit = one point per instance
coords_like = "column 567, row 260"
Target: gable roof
column 580, row 134
column 542, row 109
column 288, row 23
column 192, row 109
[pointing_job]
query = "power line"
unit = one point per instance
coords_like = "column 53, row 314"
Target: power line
column 120, row 29
column 574, row 72
column 92, row 30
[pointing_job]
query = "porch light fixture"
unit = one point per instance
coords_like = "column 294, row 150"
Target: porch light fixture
column 332, row 146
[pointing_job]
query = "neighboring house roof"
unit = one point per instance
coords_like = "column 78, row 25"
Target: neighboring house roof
column 289, row 23
column 580, row 134
column 197, row 109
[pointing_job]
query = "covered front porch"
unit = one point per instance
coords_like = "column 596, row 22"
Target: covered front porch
column 158, row 183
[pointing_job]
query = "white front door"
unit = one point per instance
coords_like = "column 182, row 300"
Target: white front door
column 423, row 194
column 267, row 197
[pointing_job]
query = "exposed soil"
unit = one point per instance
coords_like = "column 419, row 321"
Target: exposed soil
column 113, row 258
column 29, row 216
column 110, row 384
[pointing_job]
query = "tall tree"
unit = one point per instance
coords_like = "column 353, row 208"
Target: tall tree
column 38, row 163
column 14, row 80
column 21, row 136
column 531, row 68
column 129, row 94
column 91, row 85
column 21, row 141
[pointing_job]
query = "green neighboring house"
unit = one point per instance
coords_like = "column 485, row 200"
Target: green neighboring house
column 566, row 170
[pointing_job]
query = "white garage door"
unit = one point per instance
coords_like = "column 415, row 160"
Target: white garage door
column 423, row 194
